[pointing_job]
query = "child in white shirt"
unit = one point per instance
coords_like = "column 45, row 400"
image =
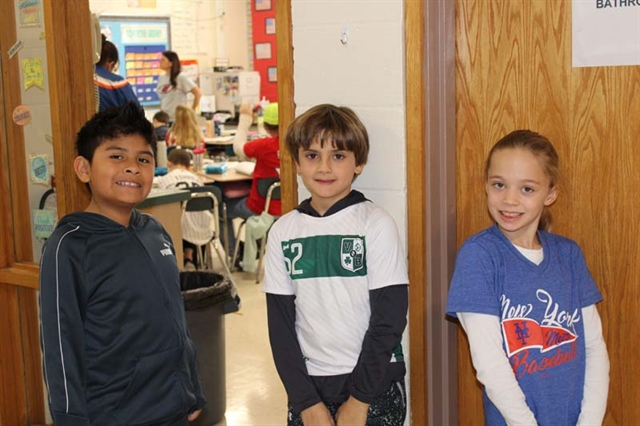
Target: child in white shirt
column 197, row 227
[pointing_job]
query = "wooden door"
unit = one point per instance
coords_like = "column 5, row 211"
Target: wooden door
column 513, row 70
column 21, row 399
column 70, row 76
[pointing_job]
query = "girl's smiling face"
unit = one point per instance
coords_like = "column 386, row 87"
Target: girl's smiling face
column 518, row 190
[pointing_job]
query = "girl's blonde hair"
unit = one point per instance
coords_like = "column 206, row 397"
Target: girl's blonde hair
column 185, row 130
column 539, row 146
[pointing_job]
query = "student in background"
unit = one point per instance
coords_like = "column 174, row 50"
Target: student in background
column 185, row 131
column 161, row 125
column 113, row 89
column 265, row 151
column 336, row 284
column 173, row 86
column 196, row 226
column 527, row 300
column 114, row 338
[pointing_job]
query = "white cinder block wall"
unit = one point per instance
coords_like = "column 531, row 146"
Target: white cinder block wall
column 366, row 74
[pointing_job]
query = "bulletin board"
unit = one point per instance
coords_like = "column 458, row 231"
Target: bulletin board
column 263, row 23
column 140, row 42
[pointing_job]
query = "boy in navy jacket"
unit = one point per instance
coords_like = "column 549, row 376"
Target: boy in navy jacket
column 114, row 338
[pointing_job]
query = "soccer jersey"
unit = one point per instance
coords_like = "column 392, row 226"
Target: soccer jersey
column 331, row 264
column 539, row 307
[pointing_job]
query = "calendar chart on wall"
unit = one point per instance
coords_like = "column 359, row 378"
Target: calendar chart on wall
column 140, row 43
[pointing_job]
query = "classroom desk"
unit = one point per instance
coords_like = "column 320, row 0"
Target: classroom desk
column 166, row 206
column 231, row 175
column 219, row 140
column 219, row 144
column 225, row 142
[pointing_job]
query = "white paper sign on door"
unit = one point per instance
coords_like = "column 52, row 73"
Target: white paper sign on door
column 606, row 32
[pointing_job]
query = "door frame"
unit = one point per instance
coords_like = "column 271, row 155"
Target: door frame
column 431, row 200
column 67, row 32
column 20, row 362
column 414, row 21
column 430, row 148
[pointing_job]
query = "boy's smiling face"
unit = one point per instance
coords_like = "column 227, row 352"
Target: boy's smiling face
column 120, row 176
column 327, row 173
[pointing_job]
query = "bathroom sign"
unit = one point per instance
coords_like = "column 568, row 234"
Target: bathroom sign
column 605, row 33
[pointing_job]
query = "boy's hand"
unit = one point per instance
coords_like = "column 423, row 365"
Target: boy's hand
column 352, row 413
column 317, row 415
column 246, row 108
column 194, row 415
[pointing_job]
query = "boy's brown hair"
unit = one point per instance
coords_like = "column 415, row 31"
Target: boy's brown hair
column 162, row 117
column 328, row 123
column 180, row 157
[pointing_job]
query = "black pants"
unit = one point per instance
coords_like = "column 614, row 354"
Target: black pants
column 387, row 409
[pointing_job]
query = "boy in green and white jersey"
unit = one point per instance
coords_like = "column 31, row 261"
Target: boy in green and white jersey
column 336, row 283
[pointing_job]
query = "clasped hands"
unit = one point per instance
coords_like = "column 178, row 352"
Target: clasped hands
column 351, row 413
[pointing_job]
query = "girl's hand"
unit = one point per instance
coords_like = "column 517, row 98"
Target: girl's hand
column 194, row 415
column 352, row 413
column 317, row 415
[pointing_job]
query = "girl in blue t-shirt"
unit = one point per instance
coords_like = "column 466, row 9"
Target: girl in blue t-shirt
column 526, row 299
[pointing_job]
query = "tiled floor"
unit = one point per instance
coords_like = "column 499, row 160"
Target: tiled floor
column 255, row 395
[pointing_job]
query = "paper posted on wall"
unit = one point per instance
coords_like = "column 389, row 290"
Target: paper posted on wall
column 605, row 33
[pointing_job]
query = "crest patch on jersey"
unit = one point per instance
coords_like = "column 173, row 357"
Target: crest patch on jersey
column 352, row 254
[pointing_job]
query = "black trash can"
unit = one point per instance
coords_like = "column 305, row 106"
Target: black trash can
column 207, row 297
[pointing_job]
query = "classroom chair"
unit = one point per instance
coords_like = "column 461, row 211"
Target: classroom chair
column 270, row 189
column 203, row 198
column 48, row 202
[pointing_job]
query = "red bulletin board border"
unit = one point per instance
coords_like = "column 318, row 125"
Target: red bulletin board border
column 268, row 89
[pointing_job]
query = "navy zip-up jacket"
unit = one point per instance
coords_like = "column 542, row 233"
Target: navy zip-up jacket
column 114, row 338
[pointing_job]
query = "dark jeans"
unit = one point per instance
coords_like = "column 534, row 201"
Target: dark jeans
column 387, row 409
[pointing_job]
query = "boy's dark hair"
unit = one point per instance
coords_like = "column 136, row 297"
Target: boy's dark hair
column 271, row 128
column 180, row 157
column 112, row 123
column 162, row 117
column 328, row 123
